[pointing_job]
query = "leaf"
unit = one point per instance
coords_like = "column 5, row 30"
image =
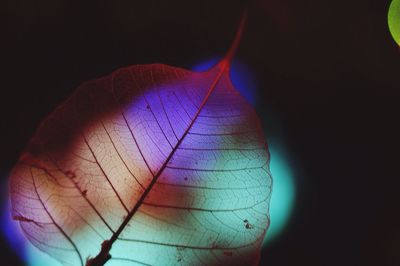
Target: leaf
column 152, row 165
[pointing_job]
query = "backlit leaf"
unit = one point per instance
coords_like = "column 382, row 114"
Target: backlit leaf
column 151, row 165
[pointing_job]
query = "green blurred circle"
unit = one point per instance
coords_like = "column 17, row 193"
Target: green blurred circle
column 394, row 20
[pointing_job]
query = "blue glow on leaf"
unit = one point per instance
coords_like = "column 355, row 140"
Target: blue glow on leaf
column 283, row 192
column 28, row 253
column 205, row 65
column 38, row 258
column 12, row 232
column 241, row 77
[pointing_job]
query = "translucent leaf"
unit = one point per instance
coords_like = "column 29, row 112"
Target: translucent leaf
column 152, row 165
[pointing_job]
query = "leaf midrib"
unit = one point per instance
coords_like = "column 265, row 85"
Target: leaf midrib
column 224, row 66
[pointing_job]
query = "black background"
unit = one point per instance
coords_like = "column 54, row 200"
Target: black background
column 328, row 71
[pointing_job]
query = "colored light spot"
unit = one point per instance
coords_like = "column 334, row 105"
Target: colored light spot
column 394, row 20
column 283, row 192
column 12, row 232
column 241, row 77
column 37, row 258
